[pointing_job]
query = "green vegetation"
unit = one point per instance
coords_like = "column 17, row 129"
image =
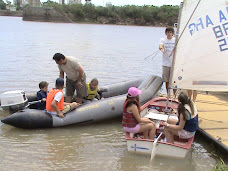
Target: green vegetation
column 2, row 5
column 221, row 166
column 126, row 15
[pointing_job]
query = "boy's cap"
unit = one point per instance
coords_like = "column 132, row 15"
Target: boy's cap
column 133, row 91
column 59, row 82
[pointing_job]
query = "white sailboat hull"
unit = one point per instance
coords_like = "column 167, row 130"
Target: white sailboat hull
column 178, row 150
column 163, row 149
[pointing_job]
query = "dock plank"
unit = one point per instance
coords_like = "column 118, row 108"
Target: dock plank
column 214, row 115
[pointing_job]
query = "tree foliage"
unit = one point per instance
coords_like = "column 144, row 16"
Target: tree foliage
column 2, row 5
column 129, row 14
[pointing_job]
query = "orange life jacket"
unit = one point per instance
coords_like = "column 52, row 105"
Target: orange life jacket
column 50, row 98
column 128, row 118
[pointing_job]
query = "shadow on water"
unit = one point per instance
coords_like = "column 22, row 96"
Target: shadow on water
column 142, row 162
column 207, row 147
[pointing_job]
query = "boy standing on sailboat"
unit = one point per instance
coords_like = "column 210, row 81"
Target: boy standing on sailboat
column 167, row 48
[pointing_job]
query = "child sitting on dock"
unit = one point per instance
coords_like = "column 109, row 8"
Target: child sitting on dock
column 132, row 121
column 92, row 90
column 187, row 123
column 55, row 101
column 42, row 95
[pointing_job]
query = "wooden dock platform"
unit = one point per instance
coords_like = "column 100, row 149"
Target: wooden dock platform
column 213, row 112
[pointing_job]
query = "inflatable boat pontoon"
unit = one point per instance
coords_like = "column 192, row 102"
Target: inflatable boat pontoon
column 109, row 107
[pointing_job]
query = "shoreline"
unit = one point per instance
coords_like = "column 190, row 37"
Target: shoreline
column 148, row 16
column 11, row 13
column 53, row 16
column 85, row 22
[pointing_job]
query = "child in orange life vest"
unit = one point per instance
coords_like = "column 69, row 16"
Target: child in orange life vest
column 132, row 121
column 55, row 104
column 92, row 90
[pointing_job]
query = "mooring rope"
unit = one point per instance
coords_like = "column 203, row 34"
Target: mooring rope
column 214, row 128
column 211, row 120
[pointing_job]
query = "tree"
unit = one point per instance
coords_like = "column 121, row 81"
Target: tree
column 2, row 5
column 49, row 2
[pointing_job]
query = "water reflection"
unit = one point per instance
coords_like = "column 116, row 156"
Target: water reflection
column 142, row 162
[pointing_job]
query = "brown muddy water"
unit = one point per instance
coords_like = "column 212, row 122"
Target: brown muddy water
column 108, row 52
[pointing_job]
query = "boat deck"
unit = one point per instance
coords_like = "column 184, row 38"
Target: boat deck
column 213, row 112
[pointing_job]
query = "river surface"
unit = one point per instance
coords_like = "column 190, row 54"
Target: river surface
column 108, row 52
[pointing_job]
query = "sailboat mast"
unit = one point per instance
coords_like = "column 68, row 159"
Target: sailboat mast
column 174, row 57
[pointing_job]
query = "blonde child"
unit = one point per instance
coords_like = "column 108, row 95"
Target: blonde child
column 92, row 90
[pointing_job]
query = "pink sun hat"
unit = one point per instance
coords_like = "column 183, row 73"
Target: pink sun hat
column 133, row 91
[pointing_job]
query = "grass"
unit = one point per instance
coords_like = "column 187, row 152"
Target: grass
column 221, row 166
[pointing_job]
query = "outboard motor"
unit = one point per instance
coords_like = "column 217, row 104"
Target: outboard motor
column 14, row 100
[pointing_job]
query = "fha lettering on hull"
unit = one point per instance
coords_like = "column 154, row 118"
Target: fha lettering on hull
column 218, row 24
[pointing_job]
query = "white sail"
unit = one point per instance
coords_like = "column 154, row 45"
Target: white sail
column 201, row 54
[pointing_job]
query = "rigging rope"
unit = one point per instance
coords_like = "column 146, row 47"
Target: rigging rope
column 210, row 120
column 214, row 128
column 155, row 54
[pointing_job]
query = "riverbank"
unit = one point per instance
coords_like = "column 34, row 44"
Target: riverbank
column 11, row 13
column 90, row 14
column 44, row 14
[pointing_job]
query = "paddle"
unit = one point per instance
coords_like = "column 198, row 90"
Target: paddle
column 153, row 151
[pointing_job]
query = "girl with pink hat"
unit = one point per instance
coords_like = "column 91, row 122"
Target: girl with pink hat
column 132, row 121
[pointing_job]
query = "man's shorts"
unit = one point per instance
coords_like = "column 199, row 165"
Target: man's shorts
column 166, row 73
column 66, row 109
column 71, row 86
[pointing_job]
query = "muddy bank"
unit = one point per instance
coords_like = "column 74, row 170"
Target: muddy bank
column 50, row 14
column 11, row 13
column 44, row 14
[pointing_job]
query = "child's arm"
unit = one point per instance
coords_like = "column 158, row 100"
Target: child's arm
column 61, row 74
column 161, row 48
column 176, row 127
column 54, row 105
column 99, row 95
column 39, row 97
column 161, row 45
